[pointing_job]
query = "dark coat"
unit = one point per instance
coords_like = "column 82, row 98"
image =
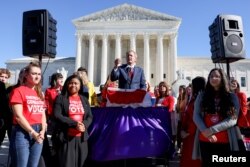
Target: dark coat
column 121, row 74
column 3, row 102
column 61, row 108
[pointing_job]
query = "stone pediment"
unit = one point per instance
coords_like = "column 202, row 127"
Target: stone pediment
column 126, row 12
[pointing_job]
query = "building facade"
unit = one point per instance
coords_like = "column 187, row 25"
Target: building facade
column 49, row 66
column 188, row 68
column 106, row 35
column 109, row 34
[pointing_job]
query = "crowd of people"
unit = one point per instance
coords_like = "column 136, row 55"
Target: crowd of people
column 207, row 117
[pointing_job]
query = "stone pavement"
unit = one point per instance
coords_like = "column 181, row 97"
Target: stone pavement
column 175, row 162
column 4, row 151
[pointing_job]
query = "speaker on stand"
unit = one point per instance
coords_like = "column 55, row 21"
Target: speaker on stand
column 39, row 34
column 227, row 40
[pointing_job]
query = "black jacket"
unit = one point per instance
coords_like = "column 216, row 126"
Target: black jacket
column 61, row 108
column 3, row 101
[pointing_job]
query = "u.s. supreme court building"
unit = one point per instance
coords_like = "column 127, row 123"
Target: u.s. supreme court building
column 106, row 35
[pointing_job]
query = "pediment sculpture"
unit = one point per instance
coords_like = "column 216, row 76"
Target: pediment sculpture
column 126, row 12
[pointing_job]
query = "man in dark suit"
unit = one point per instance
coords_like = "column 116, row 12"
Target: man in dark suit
column 129, row 75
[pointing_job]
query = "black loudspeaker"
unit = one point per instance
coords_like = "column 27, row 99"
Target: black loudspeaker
column 39, row 34
column 227, row 39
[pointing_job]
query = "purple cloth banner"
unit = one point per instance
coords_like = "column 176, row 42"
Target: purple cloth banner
column 123, row 133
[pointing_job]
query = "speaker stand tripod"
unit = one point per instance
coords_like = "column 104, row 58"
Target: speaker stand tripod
column 40, row 60
column 228, row 69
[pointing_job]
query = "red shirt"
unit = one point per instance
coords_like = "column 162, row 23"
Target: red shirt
column 168, row 102
column 76, row 113
column 50, row 96
column 33, row 106
column 188, row 124
column 210, row 120
column 244, row 115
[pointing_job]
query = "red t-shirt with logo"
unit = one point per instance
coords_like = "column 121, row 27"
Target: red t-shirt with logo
column 76, row 113
column 33, row 106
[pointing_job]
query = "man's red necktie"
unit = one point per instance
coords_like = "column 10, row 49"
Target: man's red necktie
column 130, row 73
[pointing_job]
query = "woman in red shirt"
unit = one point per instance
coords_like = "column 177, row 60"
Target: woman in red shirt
column 29, row 120
column 165, row 99
column 72, row 112
column 244, row 114
column 56, row 84
column 215, row 115
column 188, row 127
column 243, row 119
column 51, row 93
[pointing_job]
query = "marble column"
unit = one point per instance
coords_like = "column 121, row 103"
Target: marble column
column 159, row 59
column 104, row 61
column 85, row 45
column 133, row 41
column 168, row 62
column 79, row 51
column 146, row 57
column 173, row 59
column 118, row 46
column 91, row 57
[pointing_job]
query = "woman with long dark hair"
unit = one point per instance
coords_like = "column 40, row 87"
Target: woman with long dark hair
column 215, row 115
column 188, row 127
column 165, row 99
column 180, row 110
column 72, row 112
column 56, row 83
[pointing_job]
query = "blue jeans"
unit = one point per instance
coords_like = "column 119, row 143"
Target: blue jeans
column 24, row 150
